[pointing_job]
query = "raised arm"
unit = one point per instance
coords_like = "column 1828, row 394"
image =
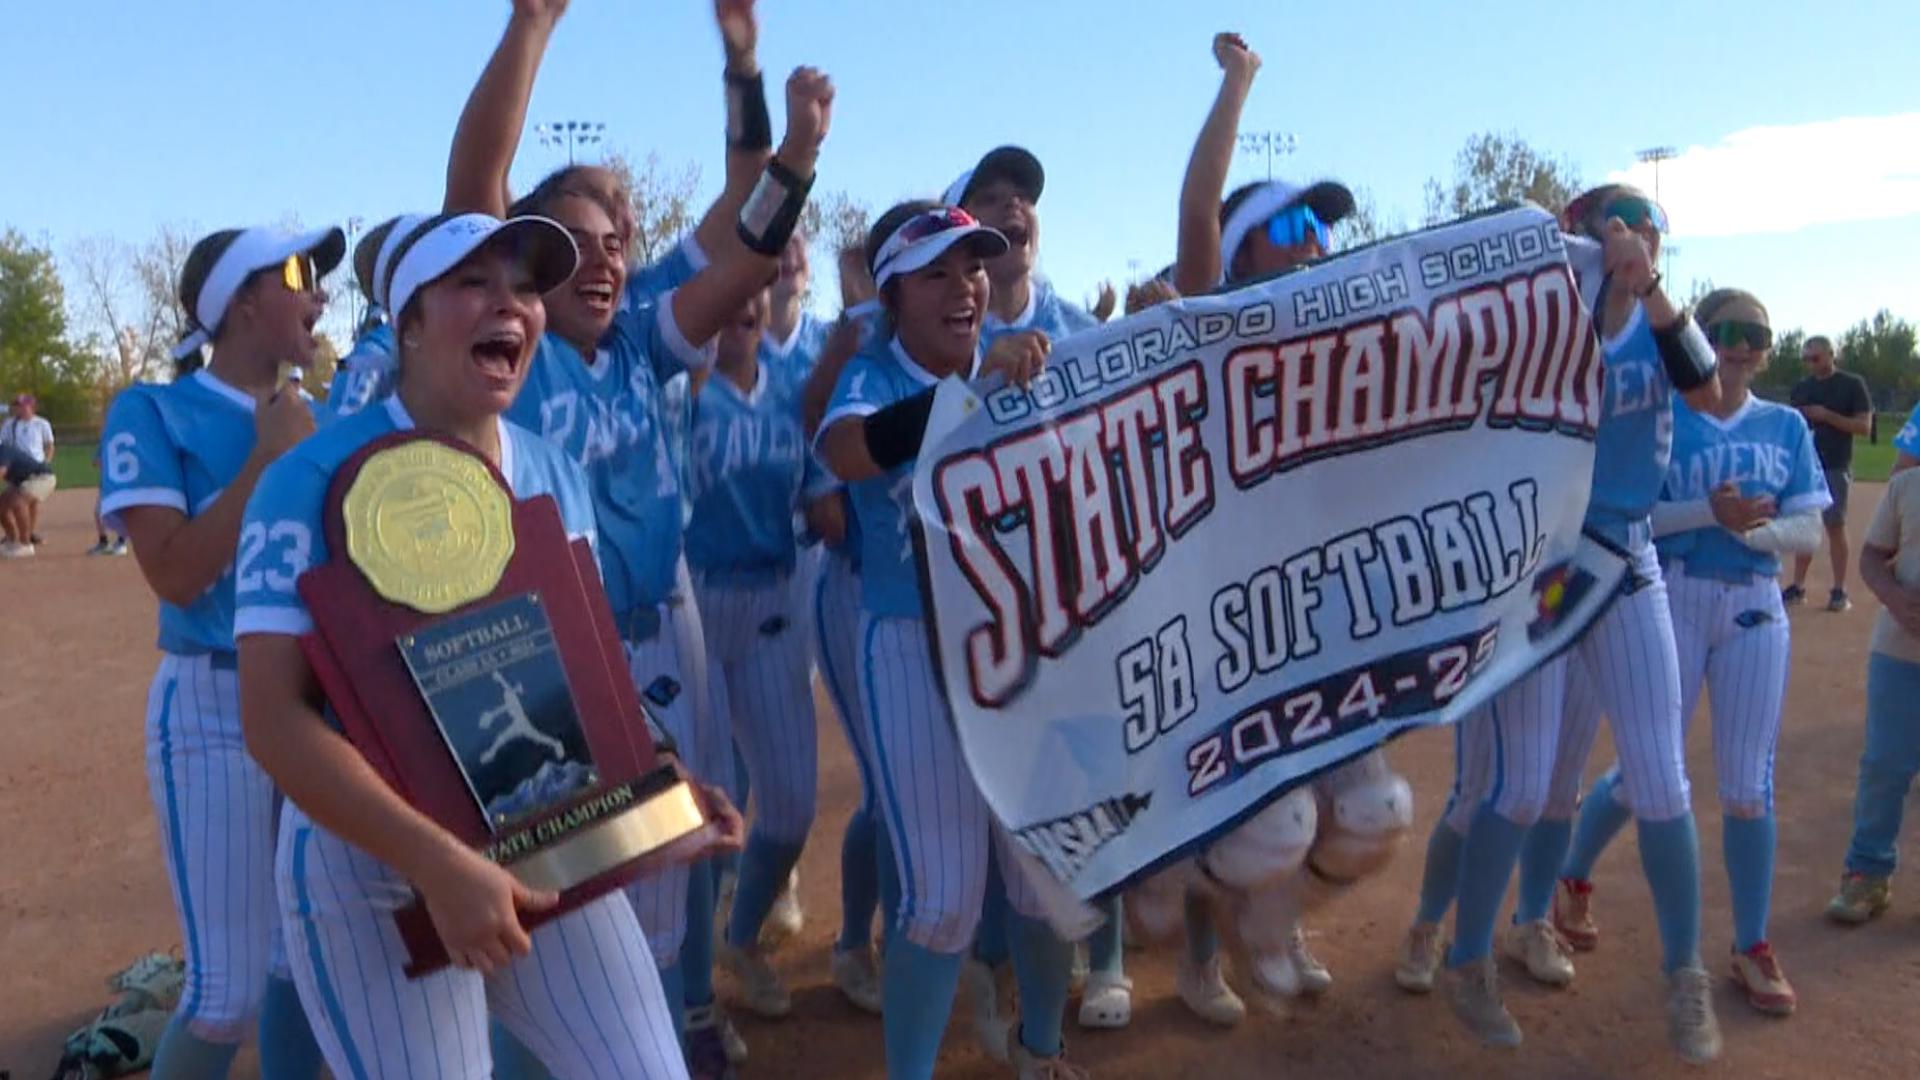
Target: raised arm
column 489, row 131
column 736, row 272
column 749, row 129
column 1197, row 267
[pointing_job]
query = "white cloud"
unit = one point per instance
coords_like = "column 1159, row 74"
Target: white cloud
column 1780, row 179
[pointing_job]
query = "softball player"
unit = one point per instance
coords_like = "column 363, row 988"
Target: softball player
column 1650, row 351
column 180, row 461
column 467, row 290
column 928, row 262
column 1260, row 229
column 747, row 470
column 595, row 390
column 1744, row 486
column 1906, row 445
column 365, row 375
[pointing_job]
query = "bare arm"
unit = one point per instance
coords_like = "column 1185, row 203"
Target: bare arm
column 841, row 344
column 740, row 39
column 1197, row 266
column 1876, row 569
column 488, row 134
column 713, row 296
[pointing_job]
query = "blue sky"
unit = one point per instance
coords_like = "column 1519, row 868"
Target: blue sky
column 208, row 113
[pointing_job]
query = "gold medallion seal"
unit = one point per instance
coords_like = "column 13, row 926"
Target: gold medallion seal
column 428, row 525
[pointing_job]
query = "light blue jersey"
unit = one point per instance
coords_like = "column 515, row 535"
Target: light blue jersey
column 748, row 467
column 648, row 283
column 792, row 360
column 178, row 445
column 1908, row 440
column 283, row 536
column 1635, row 439
column 366, row 374
column 882, row 507
column 1045, row 312
column 1767, row 449
column 606, row 417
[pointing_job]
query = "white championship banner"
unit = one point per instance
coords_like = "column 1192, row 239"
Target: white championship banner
column 1226, row 543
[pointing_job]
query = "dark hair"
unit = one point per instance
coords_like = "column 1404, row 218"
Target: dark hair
column 558, row 183
column 1719, row 300
column 1821, row 342
column 193, row 361
column 198, row 266
column 367, row 252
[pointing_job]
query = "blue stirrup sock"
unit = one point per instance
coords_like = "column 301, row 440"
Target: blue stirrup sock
column 889, row 878
column 288, row 1050
column 917, row 989
column 1441, row 878
column 1602, row 816
column 764, row 867
column 182, row 1055
column 1486, row 865
column 1104, row 952
column 673, row 986
column 1748, row 844
column 1670, row 854
column 1043, row 970
column 859, row 880
column 990, row 941
column 696, row 948
column 1203, row 937
column 511, row 1058
column 1541, row 855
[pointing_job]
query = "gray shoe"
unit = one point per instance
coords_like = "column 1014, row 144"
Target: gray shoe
column 1690, row 1020
column 1837, row 601
column 1474, row 991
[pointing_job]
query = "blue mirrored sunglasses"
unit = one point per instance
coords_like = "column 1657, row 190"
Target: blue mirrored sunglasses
column 1635, row 212
column 1295, row 225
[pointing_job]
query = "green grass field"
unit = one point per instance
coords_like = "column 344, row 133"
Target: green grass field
column 73, row 465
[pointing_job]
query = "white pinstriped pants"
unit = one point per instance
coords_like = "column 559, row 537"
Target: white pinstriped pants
column 757, row 660
column 1733, row 640
column 936, row 817
column 1630, row 656
column 586, row 1001
column 216, row 808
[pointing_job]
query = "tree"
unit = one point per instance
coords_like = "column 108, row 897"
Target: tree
column 833, row 222
column 662, row 200
column 129, row 305
column 1368, row 224
column 1881, row 351
column 35, row 354
column 1492, row 169
column 1783, row 366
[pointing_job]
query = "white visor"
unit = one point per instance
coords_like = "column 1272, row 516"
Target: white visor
column 251, row 251
column 926, row 236
column 403, row 227
column 438, row 244
column 1330, row 202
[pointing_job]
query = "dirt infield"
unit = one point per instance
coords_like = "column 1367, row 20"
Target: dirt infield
column 82, row 889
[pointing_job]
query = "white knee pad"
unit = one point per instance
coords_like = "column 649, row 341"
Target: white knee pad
column 1268, row 845
column 1366, row 808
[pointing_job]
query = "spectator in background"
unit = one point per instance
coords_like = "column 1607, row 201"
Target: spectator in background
column 33, row 436
column 24, row 482
column 108, row 542
column 1838, row 408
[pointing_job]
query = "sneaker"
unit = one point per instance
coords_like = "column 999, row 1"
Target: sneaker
column 1106, row 1002
column 856, row 972
column 104, row 547
column 1861, row 899
column 1837, row 601
column 1690, row 1021
column 157, row 977
column 36, row 540
column 982, row 990
column 1205, row 991
column 1028, row 1067
column 1793, row 594
column 11, row 549
column 119, row 547
column 714, row 1047
column 784, row 919
column 1757, row 972
column 1294, row 971
column 761, row 990
column 1473, row 989
column 1421, row 956
column 1572, row 914
column 1539, row 948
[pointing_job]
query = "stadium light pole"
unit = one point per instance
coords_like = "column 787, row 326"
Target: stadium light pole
column 571, row 134
column 1654, row 155
column 353, row 291
column 1268, row 144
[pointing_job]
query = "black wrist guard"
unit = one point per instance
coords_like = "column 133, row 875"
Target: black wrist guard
column 748, row 125
column 894, row 433
column 1688, row 358
column 772, row 212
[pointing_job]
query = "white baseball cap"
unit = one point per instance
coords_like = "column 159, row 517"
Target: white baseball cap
column 251, row 250
column 438, row 244
column 923, row 237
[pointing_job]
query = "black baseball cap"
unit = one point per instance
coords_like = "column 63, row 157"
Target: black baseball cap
column 1005, row 162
